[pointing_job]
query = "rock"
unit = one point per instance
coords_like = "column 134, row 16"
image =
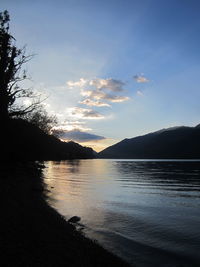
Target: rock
column 74, row 219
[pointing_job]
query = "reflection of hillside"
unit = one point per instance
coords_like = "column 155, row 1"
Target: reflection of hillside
column 73, row 165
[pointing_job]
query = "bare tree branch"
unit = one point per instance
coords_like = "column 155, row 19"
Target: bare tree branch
column 12, row 59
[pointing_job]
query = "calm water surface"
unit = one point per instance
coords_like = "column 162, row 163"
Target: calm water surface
column 147, row 212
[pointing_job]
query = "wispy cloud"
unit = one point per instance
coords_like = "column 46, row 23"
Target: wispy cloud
column 72, row 126
column 95, row 93
column 77, row 135
column 141, row 79
column 100, row 95
column 84, row 113
column 81, row 83
column 110, row 84
column 139, row 93
column 115, row 98
column 89, row 102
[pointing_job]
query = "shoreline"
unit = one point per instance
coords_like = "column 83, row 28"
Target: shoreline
column 33, row 233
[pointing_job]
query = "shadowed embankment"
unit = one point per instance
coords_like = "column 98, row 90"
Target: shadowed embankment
column 34, row 234
column 22, row 141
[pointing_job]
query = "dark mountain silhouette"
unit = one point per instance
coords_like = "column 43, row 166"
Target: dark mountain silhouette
column 21, row 140
column 176, row 142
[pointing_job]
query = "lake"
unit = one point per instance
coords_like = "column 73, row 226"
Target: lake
column 145, row 211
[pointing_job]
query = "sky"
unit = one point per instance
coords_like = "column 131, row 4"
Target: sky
column 111, row 70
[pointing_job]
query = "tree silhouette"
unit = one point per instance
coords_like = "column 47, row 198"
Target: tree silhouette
column 40, row 118
column 11, row 74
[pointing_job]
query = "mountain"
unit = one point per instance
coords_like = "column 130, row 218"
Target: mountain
column 21, row 140
column 176, row 142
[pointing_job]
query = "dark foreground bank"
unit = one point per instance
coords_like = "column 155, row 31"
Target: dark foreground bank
column 34, row 234
column 31, row 143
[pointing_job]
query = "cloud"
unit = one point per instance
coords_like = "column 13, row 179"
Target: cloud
column 77, row 136
column 110, row 84
column 89, row 102
column 72, row 125
column 84, row 113
column 141, row 79
column 139, row 93
column 100, row 95
column 115, row 98
column 96, row 94
column 81, row 83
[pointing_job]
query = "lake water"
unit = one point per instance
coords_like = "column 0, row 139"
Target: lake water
column 145, row 211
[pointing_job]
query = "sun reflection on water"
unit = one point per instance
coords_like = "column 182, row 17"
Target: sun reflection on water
column 121, row 202
column 74, row 194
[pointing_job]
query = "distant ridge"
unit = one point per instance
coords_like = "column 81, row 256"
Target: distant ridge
column 176, row 142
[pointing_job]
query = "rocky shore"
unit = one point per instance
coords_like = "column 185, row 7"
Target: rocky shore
column 34, row 234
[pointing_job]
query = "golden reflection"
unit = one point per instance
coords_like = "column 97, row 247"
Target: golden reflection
column 74, row 189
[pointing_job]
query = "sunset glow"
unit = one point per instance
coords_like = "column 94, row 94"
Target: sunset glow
column 112, row 69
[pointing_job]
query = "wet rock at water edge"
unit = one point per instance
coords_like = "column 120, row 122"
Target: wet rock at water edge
column 74, row 219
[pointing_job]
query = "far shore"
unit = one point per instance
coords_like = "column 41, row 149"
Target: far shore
column 34, row 234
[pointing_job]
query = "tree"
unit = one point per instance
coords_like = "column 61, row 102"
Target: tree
column 41, row 119
column 11, row 74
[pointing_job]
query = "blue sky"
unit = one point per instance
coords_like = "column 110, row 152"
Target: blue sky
column 112, row 69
